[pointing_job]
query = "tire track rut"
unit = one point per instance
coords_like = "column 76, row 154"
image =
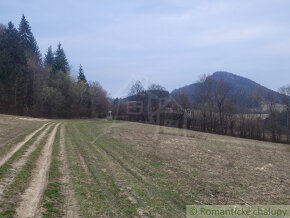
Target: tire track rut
column 31, row 198
column 19, row 145
column 16, row 166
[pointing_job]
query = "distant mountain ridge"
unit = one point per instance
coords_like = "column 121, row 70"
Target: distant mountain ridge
column 241, row 88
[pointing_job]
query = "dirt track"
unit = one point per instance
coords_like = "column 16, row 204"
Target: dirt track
column 19, row 145
column 16, row 166
column 31, row 199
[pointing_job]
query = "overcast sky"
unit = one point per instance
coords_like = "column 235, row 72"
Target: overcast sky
column 169, row 42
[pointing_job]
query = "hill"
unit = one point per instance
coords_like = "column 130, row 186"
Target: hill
column 242, row 89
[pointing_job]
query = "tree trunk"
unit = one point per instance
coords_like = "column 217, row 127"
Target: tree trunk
column 287, row 123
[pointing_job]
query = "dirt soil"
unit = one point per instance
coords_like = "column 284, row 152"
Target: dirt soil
column 31, row 198
column 19, row 145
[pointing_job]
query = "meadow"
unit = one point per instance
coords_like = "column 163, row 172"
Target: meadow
column 105, row 168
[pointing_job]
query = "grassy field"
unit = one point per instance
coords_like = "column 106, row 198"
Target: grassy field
column 100, row 168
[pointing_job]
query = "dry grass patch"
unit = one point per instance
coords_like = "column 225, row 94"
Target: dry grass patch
column 12, row 127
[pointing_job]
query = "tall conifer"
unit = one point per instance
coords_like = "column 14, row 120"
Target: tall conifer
column 60, row 60
column 27, row 39
column 82, row 76
column 49, row 57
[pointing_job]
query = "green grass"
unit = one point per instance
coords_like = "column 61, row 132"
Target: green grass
column 160, row 177
column 121, row 169
column 5, row 148
column 142, row 190
column 12, row 194
column 53, row 200
column 7, row 166
column 98, row 195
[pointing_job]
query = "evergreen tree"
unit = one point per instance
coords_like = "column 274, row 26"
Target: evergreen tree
column 27, row 87
column 82, row 76
column 12, row 56
column 60, row 60
column 27, row 39
column 49, row 57
column 12, row 75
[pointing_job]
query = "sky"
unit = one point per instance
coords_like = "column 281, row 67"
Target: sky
column 168, row 42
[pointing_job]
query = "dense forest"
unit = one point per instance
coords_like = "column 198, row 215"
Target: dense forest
column 30, row 85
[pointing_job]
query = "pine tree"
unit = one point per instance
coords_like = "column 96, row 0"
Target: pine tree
column 12, row 52
column 11, row 55
column 13, row 63
column 82, row 76
column 60, row 60
column 27, row 39
column 49, row 57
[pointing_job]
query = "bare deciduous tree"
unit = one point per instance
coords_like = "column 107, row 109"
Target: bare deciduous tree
column 285, row 91
column 156, row 87
column 136, row 88
column 182, row 99
column 221, row 91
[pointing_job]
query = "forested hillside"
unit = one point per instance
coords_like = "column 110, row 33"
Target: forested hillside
column 242, row 91
column 30, row 85
column 223, row 103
